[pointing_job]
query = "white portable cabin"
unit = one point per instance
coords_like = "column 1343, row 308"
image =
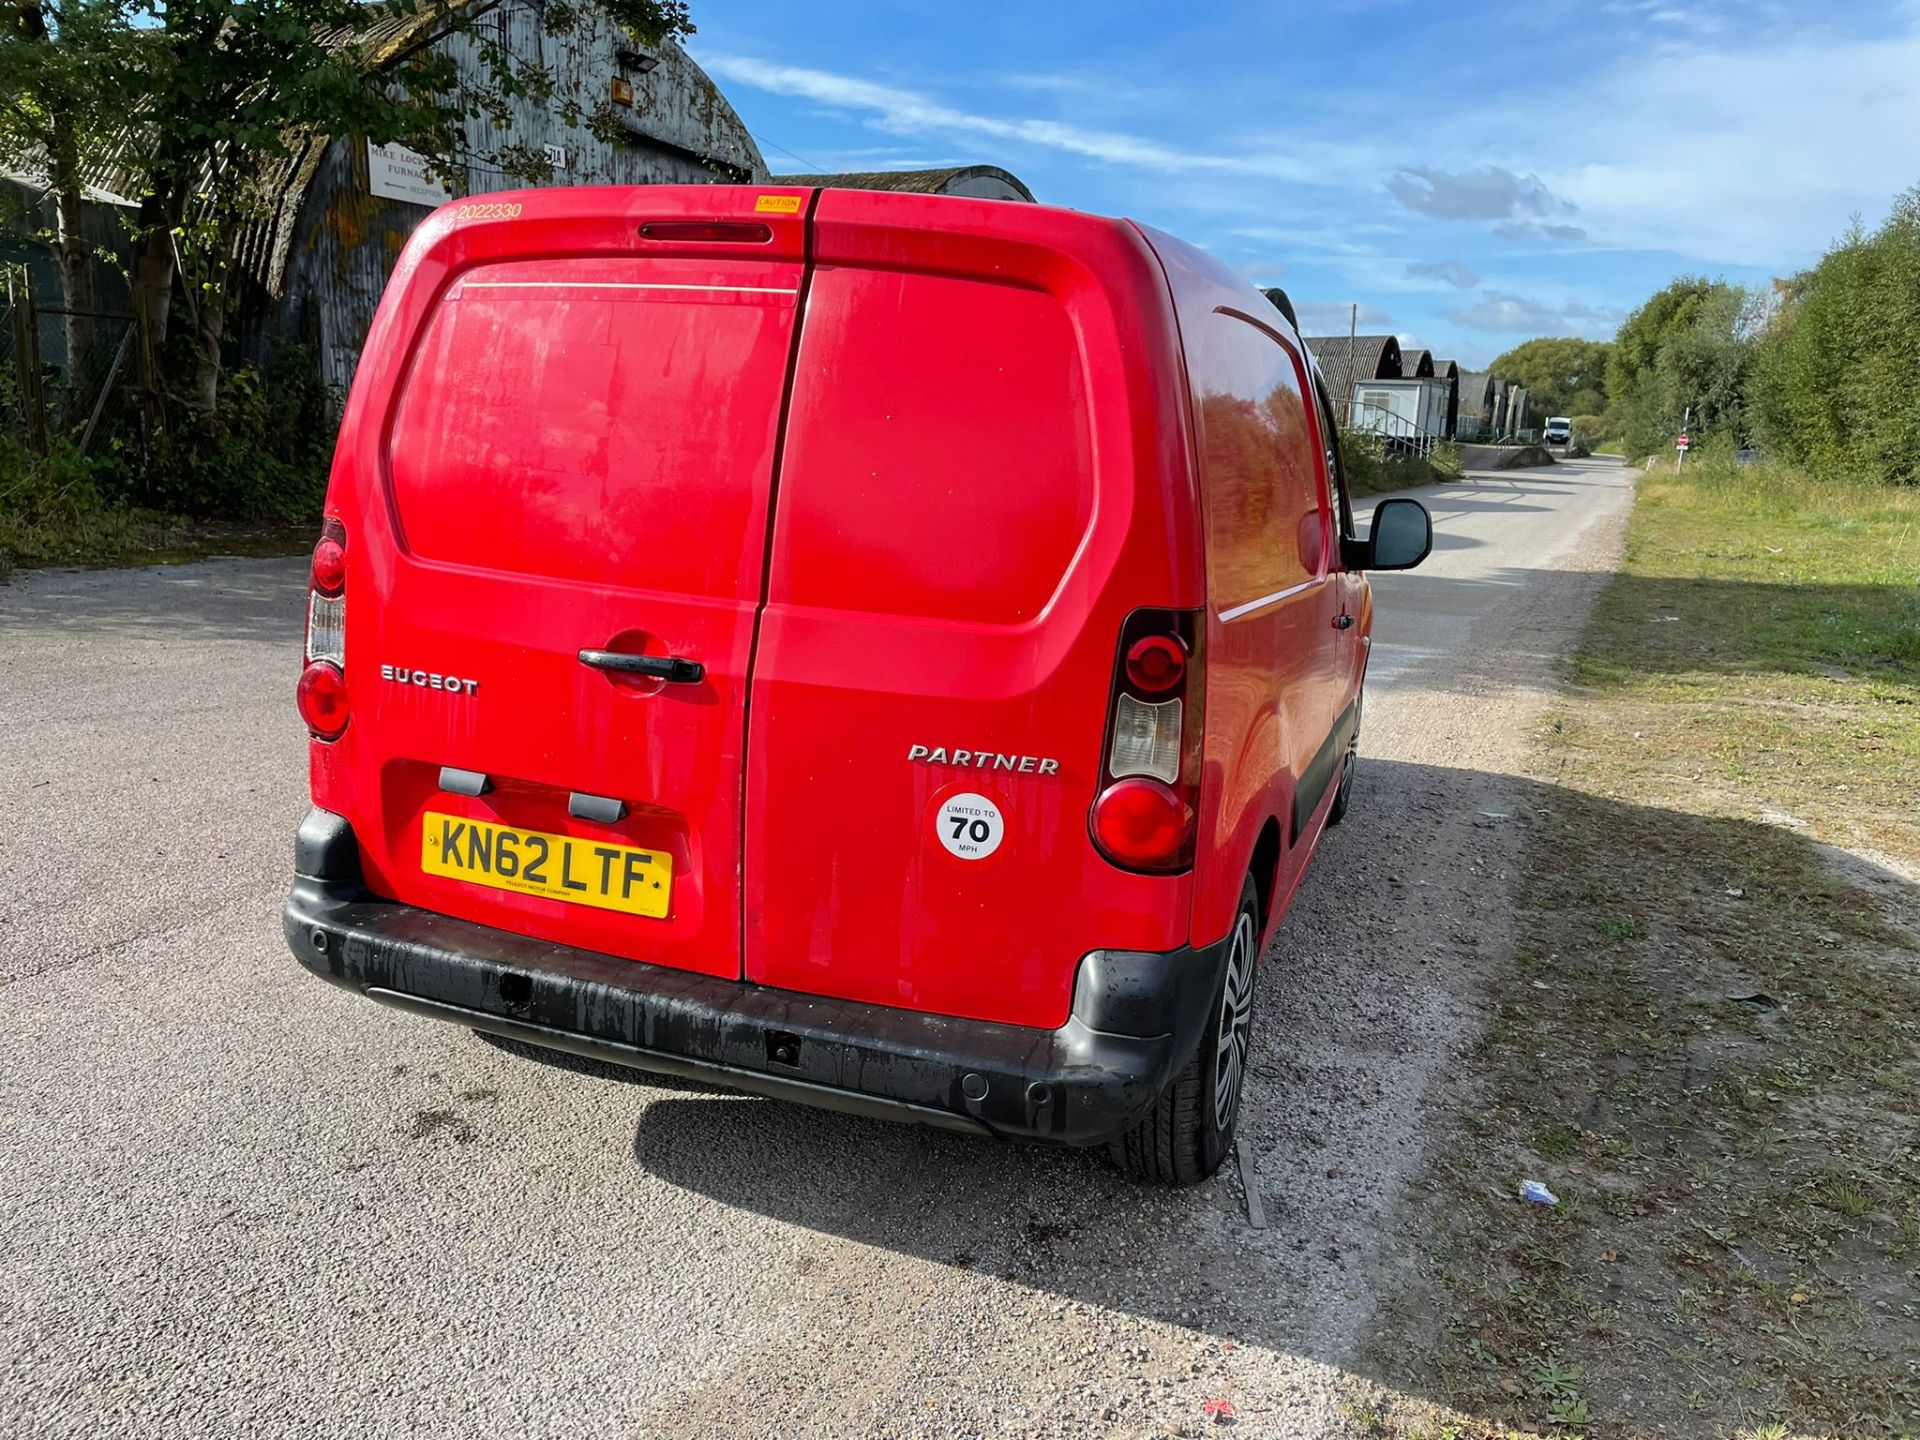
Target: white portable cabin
column 1407, row 408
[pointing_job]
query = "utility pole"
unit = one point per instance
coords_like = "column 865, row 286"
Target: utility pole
column 1353, row 368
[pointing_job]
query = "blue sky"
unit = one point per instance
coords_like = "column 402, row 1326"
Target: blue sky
column 1470, row 174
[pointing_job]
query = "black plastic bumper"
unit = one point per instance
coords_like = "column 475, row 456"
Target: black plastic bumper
column 1136, row 1018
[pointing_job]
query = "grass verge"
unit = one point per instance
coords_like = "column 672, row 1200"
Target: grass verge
column 1706, row 1045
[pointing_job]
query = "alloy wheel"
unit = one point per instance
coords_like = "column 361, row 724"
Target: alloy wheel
column 1236, row 1020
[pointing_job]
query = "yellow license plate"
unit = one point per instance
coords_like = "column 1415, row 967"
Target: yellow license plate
column 559, row 867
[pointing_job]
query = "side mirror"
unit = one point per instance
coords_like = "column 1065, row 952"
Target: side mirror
column 1401, row 537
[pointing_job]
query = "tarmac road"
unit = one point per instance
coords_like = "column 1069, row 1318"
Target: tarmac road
column 234, row 1201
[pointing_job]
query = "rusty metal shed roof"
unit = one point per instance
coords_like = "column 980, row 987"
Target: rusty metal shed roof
column 976, row 180
column 1416, row 364
column 1344, row 361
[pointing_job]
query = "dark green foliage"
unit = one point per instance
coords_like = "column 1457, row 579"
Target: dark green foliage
column 1561, row 374
column 1687, row 349
column 265, row 465
column 1837, row 377
column 267, row 461
column 1644, row 333
column 1375, row 468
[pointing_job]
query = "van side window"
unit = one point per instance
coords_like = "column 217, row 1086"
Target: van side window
column 1336, row 471
column 1268, row 526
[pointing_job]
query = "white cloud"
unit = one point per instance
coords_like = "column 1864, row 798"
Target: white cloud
column 876, row 158
column 1302, row 239
column 1502, row 313
column 1726, row 141
column 1451, row 272
column 1745, row 149
column 1336, row 317
column 1489, row 193
column 906, row 112
column 1537, row 230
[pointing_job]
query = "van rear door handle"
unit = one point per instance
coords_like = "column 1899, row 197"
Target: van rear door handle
column 1343, row 622
column 670, row 668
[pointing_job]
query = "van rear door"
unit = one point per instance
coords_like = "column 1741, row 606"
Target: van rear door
column 577, row 458
column 985, row 470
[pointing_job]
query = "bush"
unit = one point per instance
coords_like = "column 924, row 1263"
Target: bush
column 265, row 461
column 52, row 511
column 264, row 465
column 1591, row 427
column 1373, row 469
column 1834, row 379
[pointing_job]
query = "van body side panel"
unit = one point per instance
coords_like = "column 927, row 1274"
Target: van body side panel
column 1273, row 676
column 562, row 439
column 984, row 472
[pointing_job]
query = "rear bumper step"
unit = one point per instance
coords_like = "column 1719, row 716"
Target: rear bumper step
column 1136, row 1019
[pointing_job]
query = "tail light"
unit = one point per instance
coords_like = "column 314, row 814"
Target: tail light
column 1144, row 817
column 329, row 567
column 322, row 693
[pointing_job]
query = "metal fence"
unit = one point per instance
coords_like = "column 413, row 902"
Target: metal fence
column 1398, row 435
column 61, row 370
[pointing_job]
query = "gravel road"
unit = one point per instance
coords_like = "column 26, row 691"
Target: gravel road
column 236, row 1201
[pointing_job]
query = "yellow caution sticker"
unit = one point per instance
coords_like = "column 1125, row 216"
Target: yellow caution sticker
column 778, row 204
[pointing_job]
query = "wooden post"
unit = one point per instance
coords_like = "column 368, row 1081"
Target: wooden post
column 26, row 356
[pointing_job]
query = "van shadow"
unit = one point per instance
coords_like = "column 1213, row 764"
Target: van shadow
column 1363, row 996
column 1370, row 994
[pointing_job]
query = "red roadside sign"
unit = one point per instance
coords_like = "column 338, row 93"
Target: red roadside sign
column 1683, row 443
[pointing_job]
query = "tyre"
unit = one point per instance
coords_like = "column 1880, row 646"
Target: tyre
column 1343, row 797
column 1189, row 1131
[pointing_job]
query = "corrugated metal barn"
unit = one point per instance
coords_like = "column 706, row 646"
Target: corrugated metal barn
column 336, row 227
column 1345, row 361
column 1448, row 374
column 1474, row 418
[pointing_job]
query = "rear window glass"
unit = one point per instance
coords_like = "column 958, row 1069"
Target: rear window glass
column 938, row 457
column 576, row 420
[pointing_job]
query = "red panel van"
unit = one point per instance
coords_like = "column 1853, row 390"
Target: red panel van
column 894, row 652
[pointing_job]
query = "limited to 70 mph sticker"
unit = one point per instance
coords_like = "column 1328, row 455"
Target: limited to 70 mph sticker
column 970, row 826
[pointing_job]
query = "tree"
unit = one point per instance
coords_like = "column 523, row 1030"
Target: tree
column 228, row 91
column 1834, row 376
column 1564, row 376
column 1688, row 348
column 64, row 79
column 1637, row 345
